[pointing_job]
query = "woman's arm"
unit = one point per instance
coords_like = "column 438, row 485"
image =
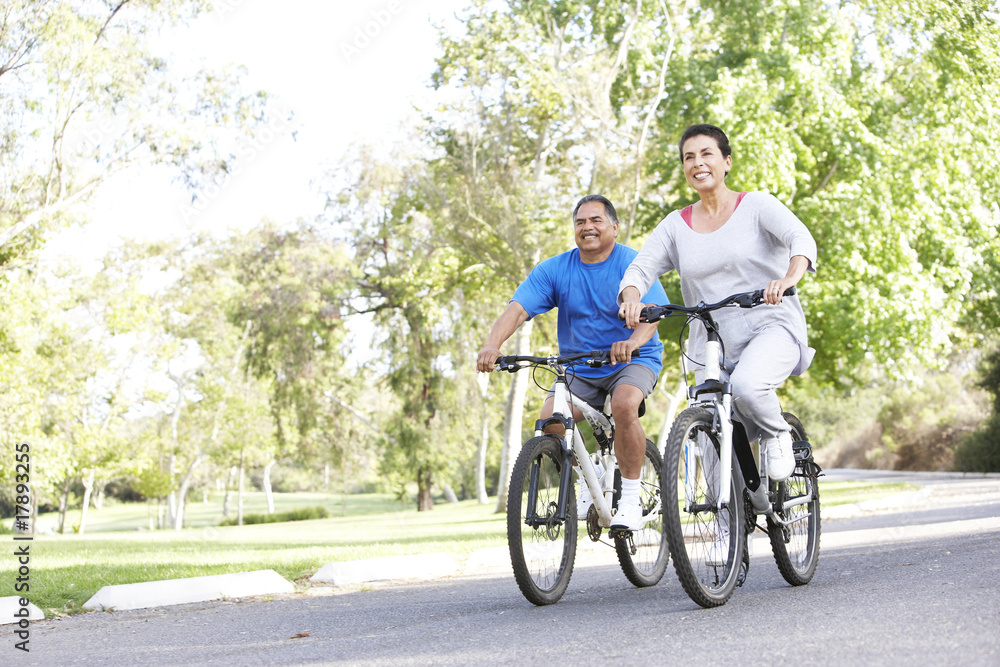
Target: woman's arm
column 797, row 267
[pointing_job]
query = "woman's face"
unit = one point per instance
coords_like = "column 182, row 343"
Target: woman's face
column 704, row 166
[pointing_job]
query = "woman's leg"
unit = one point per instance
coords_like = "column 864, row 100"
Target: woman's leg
column 767, row 361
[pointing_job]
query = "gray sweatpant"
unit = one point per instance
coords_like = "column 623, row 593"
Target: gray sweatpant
column 766, row 362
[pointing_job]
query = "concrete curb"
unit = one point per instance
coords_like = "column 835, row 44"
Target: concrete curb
column 192, row 589
column 11, row 605
column 420, row 566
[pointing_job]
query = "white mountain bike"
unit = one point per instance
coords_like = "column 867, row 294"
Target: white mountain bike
column 714, row 490
column 541, row 504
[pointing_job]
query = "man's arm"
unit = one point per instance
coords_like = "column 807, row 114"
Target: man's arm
column 503, row 328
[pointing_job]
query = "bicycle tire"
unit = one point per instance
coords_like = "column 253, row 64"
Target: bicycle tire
column 692, row 524
column 542, row 554
column 796, row 546
column 644, row 554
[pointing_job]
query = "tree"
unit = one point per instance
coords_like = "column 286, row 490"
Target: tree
column 85, row 96
column 869, row 121
column 559, row 97
column 406, row 280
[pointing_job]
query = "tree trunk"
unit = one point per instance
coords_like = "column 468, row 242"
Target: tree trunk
column 514, row 417
column 172, row 496
column 178, row 519
column 229, row 487
column 239, row 491
column 673, row 401
column 98, row 498
column 481, row 495
column 449, row 493
column 425, row 502
column 88, row 489
column 63, row 502
column 267, row 487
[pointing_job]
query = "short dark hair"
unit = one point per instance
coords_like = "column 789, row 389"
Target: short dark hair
column 609, row 208
column 704, row 129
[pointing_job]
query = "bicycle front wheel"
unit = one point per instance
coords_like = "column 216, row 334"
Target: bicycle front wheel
column 706, row 543
column 795, row 538
column 644, row 553
column 542, row 547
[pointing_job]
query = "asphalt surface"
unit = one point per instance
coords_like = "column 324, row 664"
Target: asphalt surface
column 908, row 580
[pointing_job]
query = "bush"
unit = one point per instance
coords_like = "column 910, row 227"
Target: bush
column 980, row 451
column 302, row 514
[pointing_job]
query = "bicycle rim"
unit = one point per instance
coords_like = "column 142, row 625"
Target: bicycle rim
column 644, row 554
column 705, row 543
column 542, row 548
column 795, row 544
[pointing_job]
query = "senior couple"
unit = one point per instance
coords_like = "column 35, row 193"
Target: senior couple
column 727, row 242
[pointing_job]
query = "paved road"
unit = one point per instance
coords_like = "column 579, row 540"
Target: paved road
column 911, row 581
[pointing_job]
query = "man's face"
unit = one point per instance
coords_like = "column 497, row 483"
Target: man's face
column 595, row 233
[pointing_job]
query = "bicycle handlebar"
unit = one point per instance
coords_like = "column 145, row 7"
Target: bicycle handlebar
column 595, row 359
column 742, row 299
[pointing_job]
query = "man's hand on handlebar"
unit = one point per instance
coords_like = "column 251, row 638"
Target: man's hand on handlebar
column 488, row 356
column 622, row 350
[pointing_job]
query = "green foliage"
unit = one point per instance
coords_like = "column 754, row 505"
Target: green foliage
column 301, row 514
column 980, row 451
column 85, row 96
column 869, row 121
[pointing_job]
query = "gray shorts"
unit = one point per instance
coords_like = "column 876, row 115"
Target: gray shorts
column 594, row 391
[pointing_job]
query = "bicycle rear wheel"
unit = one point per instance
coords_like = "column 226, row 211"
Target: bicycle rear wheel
column 644, row 553
column 705, row 543
column 542, row 548
column 795, row 543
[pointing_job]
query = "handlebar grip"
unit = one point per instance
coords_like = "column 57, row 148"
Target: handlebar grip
column 790, row 291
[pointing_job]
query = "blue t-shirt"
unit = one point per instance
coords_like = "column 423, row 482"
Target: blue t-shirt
column 586, row 296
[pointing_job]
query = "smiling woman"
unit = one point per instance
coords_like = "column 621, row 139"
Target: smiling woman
column 731, row 242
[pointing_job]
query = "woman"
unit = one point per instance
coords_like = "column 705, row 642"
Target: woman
column 730, row 242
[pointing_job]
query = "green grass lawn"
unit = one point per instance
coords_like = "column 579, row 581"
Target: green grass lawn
column 66, row 570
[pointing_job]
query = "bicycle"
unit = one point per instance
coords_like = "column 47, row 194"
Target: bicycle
column 712, row 485
column 541, row 503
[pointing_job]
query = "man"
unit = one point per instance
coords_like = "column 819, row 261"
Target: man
column 583, row 284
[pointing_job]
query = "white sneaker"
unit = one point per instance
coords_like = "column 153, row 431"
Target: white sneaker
column 628, row 517
column 780, row 459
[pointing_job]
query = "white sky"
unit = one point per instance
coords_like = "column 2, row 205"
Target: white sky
column 349, row 71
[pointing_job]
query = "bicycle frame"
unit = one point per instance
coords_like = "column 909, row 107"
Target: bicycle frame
column 563, row 403
column 719, row 402
column 573, row 445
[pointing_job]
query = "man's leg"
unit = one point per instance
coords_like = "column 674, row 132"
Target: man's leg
column 547, row 412
column 630, row 445
column 630, row 439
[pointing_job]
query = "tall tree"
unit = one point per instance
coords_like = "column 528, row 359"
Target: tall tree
column 84, row 95
column 558, row 98
column 870, row 122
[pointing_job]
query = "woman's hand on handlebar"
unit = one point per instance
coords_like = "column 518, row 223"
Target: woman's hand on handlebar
column 631, row 307
column 775, row 289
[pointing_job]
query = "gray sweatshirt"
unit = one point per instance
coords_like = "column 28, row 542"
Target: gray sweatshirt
column 752, row 248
